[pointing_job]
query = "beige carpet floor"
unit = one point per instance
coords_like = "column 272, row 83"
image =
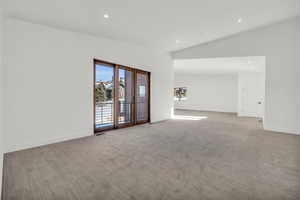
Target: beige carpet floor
column 199, row 155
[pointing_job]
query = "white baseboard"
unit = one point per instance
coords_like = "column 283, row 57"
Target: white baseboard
column 192, row 109
column 282, row 130
column 23, row 146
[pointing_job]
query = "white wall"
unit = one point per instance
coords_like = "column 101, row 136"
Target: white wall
column 251, row 90
column 280, row 43
column 49, row 82
column 1, row 100
column 208, row 92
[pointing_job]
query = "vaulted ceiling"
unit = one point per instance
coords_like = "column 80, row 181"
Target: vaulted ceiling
column 166, row 25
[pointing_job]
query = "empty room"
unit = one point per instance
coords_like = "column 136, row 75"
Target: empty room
column 149, row 100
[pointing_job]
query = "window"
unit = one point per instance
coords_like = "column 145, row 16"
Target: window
column 121, row 96
column 180, row 93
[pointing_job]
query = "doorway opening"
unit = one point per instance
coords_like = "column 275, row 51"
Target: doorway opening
column 121, row 96
column 228, row 84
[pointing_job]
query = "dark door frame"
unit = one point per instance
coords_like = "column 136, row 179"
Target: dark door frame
column 132, row 107
column 116, row 68
column 135, row 94
column 94, row 96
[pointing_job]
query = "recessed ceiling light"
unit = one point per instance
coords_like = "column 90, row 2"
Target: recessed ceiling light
column 106, row 16
column 240, row 20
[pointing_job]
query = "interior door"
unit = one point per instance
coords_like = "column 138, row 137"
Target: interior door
column 142, row 97
column 125, row 96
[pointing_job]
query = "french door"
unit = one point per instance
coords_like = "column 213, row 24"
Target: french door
column 125, row 97
column 142, row 97
column 121, row 96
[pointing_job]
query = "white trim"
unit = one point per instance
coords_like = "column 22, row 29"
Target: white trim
column 18, row 147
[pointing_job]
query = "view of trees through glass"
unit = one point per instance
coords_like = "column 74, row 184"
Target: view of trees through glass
column 121, row 96
column 104, row 95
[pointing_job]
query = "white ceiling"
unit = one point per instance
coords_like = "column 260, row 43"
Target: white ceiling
column 220, row 65
column 155, row 23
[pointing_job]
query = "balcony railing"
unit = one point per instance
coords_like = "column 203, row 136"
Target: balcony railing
column 125, row 112
column 105, row 113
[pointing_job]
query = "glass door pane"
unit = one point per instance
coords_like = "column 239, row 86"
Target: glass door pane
column 121, row 96
column 104, row 96
column 125, row 101
column 142, row 97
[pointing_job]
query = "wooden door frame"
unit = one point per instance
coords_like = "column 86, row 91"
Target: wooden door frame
column 148, row 74
column 116, row 68
column 94, row 96
column 117, row 100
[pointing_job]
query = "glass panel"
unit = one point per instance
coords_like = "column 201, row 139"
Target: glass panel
column 125, row 96
column 104, row 96
column 142, row 97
